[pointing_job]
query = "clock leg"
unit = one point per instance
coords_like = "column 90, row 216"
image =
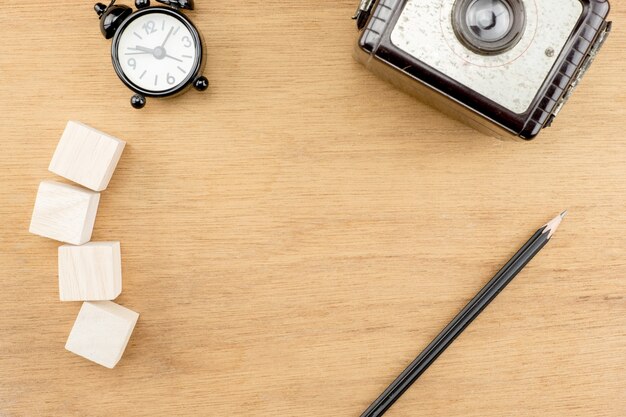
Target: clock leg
column 201, row 83
column 140, row 4
column 138, row 101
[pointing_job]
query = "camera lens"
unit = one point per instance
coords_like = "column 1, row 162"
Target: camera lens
column 489, row 20
column 489, row 27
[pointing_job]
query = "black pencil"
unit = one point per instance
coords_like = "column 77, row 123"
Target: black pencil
column 463, row 319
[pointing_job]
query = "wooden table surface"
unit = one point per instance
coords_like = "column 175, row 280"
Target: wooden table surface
column 294, row 236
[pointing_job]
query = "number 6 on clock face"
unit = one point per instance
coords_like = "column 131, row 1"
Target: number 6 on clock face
column 157, row 52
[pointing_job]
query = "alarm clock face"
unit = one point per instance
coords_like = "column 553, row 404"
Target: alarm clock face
column 157, row 52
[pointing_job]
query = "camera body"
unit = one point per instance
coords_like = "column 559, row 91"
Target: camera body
column 505, row 67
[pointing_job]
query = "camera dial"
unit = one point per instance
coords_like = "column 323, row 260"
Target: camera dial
column 489, row 27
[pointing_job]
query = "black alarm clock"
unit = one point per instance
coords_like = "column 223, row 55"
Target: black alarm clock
column 156, row 51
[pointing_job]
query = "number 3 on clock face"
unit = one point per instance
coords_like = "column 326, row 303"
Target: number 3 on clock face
column 157, row 52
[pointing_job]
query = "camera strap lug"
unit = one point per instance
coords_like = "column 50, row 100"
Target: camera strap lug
column 363, row 13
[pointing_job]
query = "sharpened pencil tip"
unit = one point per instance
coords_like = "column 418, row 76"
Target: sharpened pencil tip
column 553, row 224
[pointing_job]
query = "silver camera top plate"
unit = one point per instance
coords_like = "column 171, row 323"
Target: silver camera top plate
column 511, row 79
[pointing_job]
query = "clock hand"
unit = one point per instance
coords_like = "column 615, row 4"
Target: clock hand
column 176, row 59
column 143, row 49
column 167, row 37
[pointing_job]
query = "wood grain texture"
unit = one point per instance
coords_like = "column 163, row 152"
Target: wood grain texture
column 101, row 332
column 86, row 156
column 91, row 272
column 297, row 234
column 63, row 212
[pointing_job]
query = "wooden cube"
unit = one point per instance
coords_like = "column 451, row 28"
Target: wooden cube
column 64, row 212
column 91, row 272
column 101, row 332
column 86, row 156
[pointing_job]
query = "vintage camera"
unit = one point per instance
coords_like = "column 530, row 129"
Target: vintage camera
column 505, row 67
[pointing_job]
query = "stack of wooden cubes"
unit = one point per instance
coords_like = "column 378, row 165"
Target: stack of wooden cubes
column 90, row 272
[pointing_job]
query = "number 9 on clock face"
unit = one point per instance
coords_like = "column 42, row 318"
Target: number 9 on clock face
column 157, row 52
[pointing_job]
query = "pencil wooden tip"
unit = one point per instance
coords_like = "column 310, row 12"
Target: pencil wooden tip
column 553, row 224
